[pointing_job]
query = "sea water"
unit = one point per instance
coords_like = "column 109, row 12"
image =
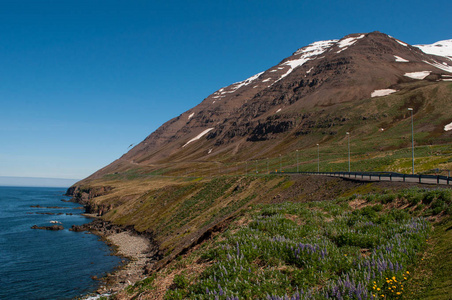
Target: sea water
column 43, row 264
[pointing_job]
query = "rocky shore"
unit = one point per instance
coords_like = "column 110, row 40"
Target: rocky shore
column 138, row 250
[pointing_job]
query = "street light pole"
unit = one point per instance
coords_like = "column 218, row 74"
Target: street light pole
column 412, row 138
column 280, row 164
column 297, row 161
column 267, row 166
column 348, row 135
column 318, row 158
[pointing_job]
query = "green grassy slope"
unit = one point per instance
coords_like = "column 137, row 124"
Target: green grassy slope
column 376, row 246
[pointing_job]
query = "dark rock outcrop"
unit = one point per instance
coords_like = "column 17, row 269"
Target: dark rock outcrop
column 52, row 227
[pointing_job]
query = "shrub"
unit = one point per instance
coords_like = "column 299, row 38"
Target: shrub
column 180, row 282
column 429, row 197
column 399, row 215
column 438, row 203
column 446, row 196
column 369, row 212
column 448, row 210
column 370, row 198
column 420, row 207
column 377, row 207
column 388, row 198
column 437, row 211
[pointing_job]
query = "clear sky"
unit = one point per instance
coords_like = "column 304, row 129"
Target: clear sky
column 81, row 80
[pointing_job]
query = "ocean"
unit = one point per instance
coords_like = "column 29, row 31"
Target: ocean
column 43, row 264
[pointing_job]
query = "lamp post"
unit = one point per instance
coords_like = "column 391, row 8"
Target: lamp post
column 348, row 135
column 280, row 164
column 267, row 166
column 297, row 161
column 318, row 158
column 412, row 139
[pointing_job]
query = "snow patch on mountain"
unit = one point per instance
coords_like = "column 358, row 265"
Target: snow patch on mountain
column 306, row 54
column 417, row 75
column 448, row 127
column 221, row 93
column 383, row 92
column 347, row 42
column 191, row 116
column 245, row 82
column 400, row 59
column 400, row 42
column 198, row 136
column 443, row 67
column 440, row 48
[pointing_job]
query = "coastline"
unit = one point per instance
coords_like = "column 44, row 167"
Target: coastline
column 138, row 251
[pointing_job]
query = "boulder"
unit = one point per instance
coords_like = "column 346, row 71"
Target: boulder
column 52, row 227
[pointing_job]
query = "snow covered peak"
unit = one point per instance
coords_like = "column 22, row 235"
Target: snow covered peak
column 441, row 48
column 306, row 54
column 348, row 41
column 316, row 48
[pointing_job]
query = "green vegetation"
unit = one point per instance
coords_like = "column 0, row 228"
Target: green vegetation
column 355, row 247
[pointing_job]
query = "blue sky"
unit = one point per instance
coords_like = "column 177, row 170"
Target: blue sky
column 82, row 80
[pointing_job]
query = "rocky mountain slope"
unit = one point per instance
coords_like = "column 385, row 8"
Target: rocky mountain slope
column 274, row 111
column 294, row 116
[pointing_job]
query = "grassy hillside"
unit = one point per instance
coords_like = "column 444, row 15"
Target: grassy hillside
column 375, row 246
column 178, row 211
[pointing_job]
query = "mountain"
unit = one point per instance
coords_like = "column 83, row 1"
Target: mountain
column 330, row 106
column 310, row 97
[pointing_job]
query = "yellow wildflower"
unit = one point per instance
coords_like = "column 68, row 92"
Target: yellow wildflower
column 407, row 272
column 398, row 293
column 378, row 289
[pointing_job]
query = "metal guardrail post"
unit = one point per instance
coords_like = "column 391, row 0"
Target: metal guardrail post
column 403, row 177
column 420, row 177
column 437, row 179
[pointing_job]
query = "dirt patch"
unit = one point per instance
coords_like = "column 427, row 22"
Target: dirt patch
column 357, row 203
column 294, row 218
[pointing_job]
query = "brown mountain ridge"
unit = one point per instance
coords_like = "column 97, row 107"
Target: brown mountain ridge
column 290, row 106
